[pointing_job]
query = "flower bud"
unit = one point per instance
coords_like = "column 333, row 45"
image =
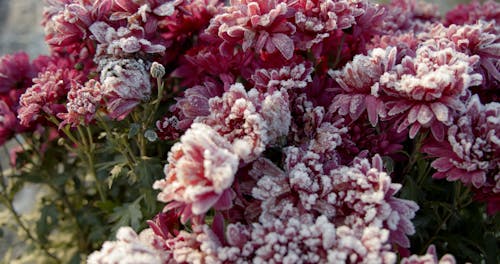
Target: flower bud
column 157, row 70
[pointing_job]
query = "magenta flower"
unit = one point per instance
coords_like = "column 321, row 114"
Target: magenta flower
column 471, row 152
column 317, row 19
column 194, row 102
column 122, row 42
column 287, row 77
column 473, row 12
column 357, row 196
column 481, row 39
column 67, row 23
column 16, row 72
column 425, row 90
column 305, row 239
column 249, row 120
column 125, row 83
column 83, row 102
column 430, row 257
column 46, row 94
column 199, row 173
column 258, row 24
column 359, row 87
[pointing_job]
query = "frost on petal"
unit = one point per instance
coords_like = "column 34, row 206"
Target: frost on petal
column 430, row 257
column 425, row 90
column 83, row 102
column 471, row 150
column 200, row 170
column 125, row 84
column 358, row 84
column 131, row 248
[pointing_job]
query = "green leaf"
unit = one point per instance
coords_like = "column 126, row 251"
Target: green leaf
column 129, row 214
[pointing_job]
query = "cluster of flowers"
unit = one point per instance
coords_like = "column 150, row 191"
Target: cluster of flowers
column 284, row 113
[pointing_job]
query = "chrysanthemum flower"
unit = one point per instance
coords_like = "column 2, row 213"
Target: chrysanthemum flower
column 317, row 19
column 471, row 152
column 359, row 85
column 83, row 102
column 199, row 173
column 131, row 248
column 425, row 90
column 249, row 120
column 47, row 93
column 16, row 72
column 125, row 83
column 258, row 24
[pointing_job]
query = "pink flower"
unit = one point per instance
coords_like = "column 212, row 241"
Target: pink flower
column 358, row 196
column 410, row 15
column 122, row 41
column 199, row 173
column 194, row 102
column 305, row 239
column 481, row 39
column 67, row 23
column 425, row 90
column 359, row 85
column 258, row 24
column 47, row 93
column 471, row 152
column 473, row 12
column 430, row 257
column 287, row 77
column 131, row 248
column 16, row 72
column 249, row 120
column 316, row 20
column 83, row 102
column 125, row 83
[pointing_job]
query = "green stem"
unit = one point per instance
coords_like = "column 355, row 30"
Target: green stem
column 8, row 203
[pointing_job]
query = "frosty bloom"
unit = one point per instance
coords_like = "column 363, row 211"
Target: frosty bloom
column 316, row 19
column 425, row 90
column 287, row 77
column 16, row 72
column 369, row 245
column 471, row 152
column 145, row 248
column 122, row 41
column 83, row 102
column 125, row 83
column 358, row 196
column 359, row 85
column 258, row 24
column 305, row 239
column 48, row 89
column 199, row 173
column 66, row 23
column 194, row 102
column 481, row 39
column 430, row 257
column 249, row 120
column 200, row 246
